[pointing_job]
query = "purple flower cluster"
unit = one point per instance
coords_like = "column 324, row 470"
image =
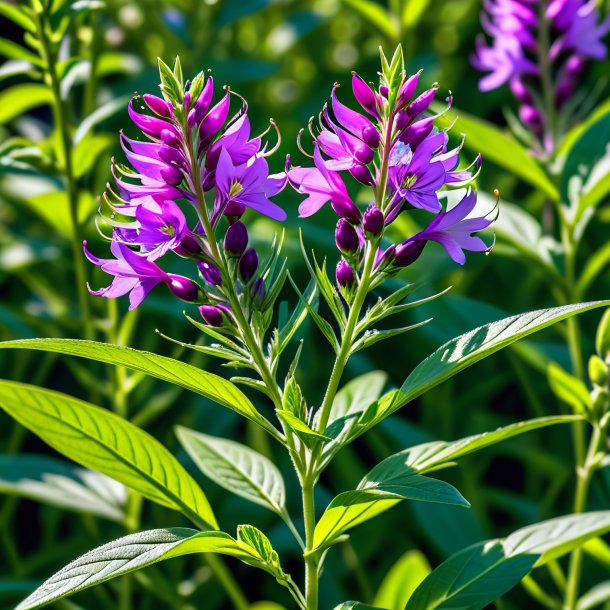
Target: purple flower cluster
column 193, row 150
column 393, row 147
column 529, row 36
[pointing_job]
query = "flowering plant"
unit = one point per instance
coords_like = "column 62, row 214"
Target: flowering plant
column 186, row 196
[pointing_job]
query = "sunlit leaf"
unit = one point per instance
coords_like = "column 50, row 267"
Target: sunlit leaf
column 401, row 580
column 19, row 99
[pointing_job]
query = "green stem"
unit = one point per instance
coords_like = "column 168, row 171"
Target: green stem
column 539, row 594
column 585, row 474
column 49, row 56
column 311, row 560
column 548, row 89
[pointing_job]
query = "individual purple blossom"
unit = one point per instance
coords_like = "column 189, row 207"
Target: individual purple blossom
column 345, row 275
column 210, row 272
column 346, row 238
column 236, row 239
column 453, row 229
column 211, row 314
column 137, row 276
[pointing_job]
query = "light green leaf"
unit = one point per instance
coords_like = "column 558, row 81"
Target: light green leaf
column 237, row 468
column 463, row 351
column 413, row 11
column 478, row 575
column 569, row 389
column 260, row 547
column 595, row 596
column 88, row 151
column 436, row 454
column 97, row 116
column 19, row 99
column 402, row 579
column 18, row 15
column 51, row 481
column 111, row 63
column 132, row 553
column 12, row 50
column 356, row 606
column 13, row 67
column 356, row 395
column 376, row 15
column 388, row 483
column 300, row 428
column 495, row 145
column 99, row 439
column 173, row 371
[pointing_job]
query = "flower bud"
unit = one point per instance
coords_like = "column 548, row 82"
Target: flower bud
column 169, row 154
column 598, row 371
column 417, row 132
column 402, row 120
column 421, row 103
column 364, row 95
column 236, row 239
column 372, row 222
column 384, row 91
column 202, row 105
column 183, row 288
column 345, row 275
column 362, row 174
column 371, row 137
column 171, row 175
column 158, row 105
column 214, row 120
column 169, row 138
column 346, row 238
column 234, row 210
column 248, row 264
column 408, row 252
column 384, row 258
column 211, row 314
column 574, row 65
column 520, row 91
column 564, row 91
column 210, row 273
column 407, row 90
column 189, row 246
column 258, row 291
column 346, row 208
column 529, row 115
column 150, row 125
column 186, row 101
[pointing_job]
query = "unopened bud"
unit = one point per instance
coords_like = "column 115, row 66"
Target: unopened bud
column 236, row 239
column 210, row 273
column 184, row 288
column 373, row 221
column 248, row 264
column 346, row 238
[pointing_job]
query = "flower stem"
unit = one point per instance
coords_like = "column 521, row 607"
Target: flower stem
column 49, row 56
column 585, row 474
column 311, row 560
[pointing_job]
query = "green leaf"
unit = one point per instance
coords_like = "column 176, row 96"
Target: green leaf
column 478, row 575
column 237, row 468
column 463, row 351
column 376, row 15
column 595, row 596
column 388, row 483
column 471, row 579
column 602, row 336
column 173, row 371
column 402, row 579
column 300, row 428
column 132, row 553
column 58, row 483
column 437, row 454
column 100, row 114
column 412, row 13
column 261, row 547
column 18, row 15
column 356, row 606
column 88, row 151
column 356, row 395
column 19, row 99
column 101, row 440
column 495, row 145
column 12, row 50
column 569, row 389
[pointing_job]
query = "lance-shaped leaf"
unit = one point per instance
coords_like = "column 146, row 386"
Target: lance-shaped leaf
column 99, row 439
column 133, row 553
column 386, row 485
column 478, row 575
column 356, row 395
column 401, row 580
column 237, row 468
column 179, row 373
column 58, row 483
column 462, row 352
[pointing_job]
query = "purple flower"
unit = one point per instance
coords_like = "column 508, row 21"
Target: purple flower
column 321, row 185
column 248, row 184
column 236, row 239
column 346, row 238
column 248, row 264
column 452, row 229
column 137, row 276
column 345, row 275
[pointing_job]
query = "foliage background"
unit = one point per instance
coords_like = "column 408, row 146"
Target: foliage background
column 283, row 57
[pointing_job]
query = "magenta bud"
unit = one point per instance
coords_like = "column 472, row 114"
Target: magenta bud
column 183, row 288
column 421, row 103
column 371, row 136
column 258, row 291
column 346, row 237
column 362, row 174
column 170, row 155
column 211, row 314
column 186, row 101
column 236, row 239
column 417, row 132
column 407, row 91
column 191, row 118
column 234, row 210
column 364, row 154
column 574, row 65
column 169, row 138
column 529, row 114
column 158, row 105
column 189, row 246
column 346, row 208
column 384, row 258
column 248, row 264
column 150, row 125
column 373, row 221
column 520, row 91
column 408, row 252
column 171, row 175
column 345, row 274
column 214, row 120
column 402, row 120
column 564, row 91
column 202, row 105
column 210, row 273
column 384, row 91
column 364, row 95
